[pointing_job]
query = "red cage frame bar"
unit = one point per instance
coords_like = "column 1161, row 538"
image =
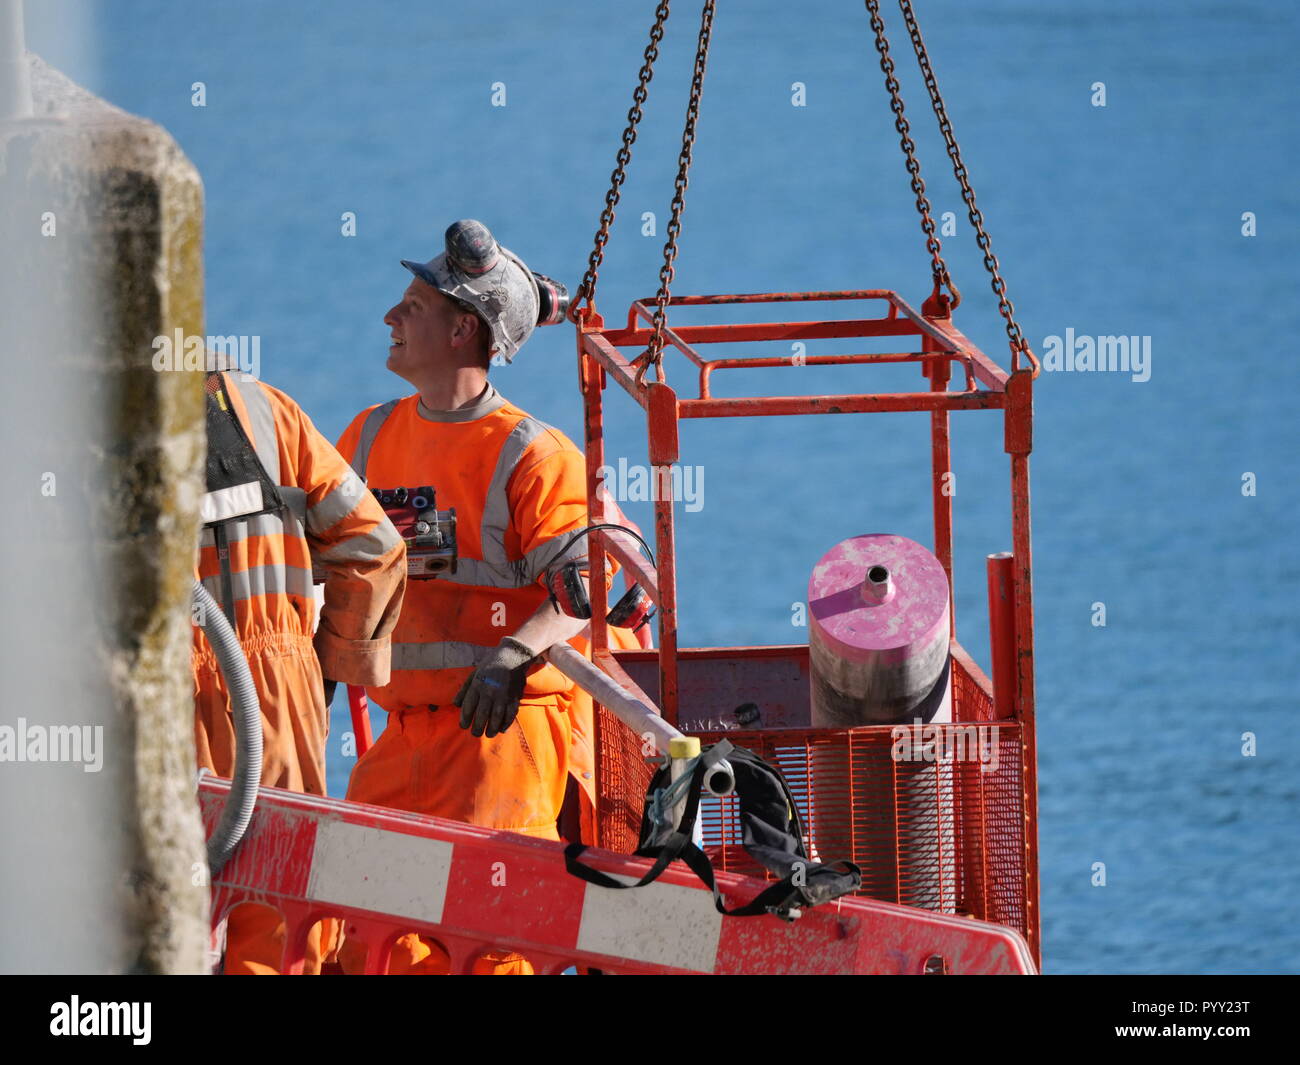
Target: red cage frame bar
column 986, row 387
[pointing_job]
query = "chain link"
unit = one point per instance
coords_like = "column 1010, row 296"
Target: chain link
column 587, row 287
column 1005, row 306
column 654, row 353
column 938, row 266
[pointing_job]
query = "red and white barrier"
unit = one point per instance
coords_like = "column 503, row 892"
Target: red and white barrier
column 474, row 890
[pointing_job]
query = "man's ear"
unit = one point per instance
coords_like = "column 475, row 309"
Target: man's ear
column 466, row 330
column 481, row 342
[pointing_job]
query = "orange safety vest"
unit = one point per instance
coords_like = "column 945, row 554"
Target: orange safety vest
column 518, row 487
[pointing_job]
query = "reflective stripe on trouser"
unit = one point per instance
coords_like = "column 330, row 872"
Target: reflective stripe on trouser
column 294, row 726
column 426, row 763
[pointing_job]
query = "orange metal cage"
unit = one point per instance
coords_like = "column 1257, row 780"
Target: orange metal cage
column 960, row 849
column 980, row 832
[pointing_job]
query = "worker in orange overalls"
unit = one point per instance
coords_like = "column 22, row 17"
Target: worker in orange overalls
column 479, row 726
column 329, row 515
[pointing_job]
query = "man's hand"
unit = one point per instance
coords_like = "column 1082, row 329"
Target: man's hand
column 489, row 698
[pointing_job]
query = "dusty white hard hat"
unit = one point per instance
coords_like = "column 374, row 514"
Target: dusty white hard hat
column 488, row 279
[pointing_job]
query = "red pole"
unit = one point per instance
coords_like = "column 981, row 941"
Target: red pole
column 939, row 372
column 1002, row 633
column 360, row 708
column 591, row 378
column 661, row 417
column 1019, row 443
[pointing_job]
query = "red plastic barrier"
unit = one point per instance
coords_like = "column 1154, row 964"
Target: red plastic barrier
column 474, row 890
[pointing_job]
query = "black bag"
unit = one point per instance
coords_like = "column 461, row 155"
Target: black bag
column 771, row 833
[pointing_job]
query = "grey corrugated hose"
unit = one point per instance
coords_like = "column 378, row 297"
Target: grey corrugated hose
column 247, row 712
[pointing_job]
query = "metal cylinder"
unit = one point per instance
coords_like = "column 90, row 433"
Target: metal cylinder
column 878, row 628
column 878, row 609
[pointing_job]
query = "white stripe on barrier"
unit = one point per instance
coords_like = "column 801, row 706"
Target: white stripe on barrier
column 372, row 869
column 662, row 924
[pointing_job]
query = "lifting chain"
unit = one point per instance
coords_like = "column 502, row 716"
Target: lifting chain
column 938, row 266
column 1005, row 307
column 587, row 288
column 654, row 353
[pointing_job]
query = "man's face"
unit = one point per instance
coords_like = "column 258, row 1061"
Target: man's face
column 429, row 332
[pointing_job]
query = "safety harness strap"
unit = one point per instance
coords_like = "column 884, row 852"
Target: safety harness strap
column 773, row 838
column 240, row 476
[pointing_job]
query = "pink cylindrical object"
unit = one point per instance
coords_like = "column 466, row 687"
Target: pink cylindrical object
column 878, row 628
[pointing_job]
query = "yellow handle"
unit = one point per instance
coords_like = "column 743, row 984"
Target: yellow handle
column 686, row 747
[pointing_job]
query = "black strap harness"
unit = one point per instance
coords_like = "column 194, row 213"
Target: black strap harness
column 234, row 472
column 772, row 834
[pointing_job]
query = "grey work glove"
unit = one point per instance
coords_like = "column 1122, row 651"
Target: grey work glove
column 489, row 698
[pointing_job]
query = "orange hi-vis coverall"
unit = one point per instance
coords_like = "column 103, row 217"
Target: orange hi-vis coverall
column 329, row 514
column 519, row 490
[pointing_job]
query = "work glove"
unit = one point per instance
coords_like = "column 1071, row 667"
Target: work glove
column 489, row 698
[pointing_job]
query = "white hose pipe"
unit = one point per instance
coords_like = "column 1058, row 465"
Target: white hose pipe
column 247, row 712
column 636, row 713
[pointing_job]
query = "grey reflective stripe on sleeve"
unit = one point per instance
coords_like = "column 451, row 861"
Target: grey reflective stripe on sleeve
column 567, row 547
column 296, row 501
column 369, row 430
column 262, row 422
column 264, row 580
column 337, row 505
column 366, row 547
column 446, row 655
column 496, row 507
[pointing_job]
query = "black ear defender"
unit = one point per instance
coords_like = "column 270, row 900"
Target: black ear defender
column 565, row 587
column 552, row 299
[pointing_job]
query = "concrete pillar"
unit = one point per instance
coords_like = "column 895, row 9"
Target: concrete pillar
column 101, row 849
column 15, row 81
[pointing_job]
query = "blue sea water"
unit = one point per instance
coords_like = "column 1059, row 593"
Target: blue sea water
column 1117, row 220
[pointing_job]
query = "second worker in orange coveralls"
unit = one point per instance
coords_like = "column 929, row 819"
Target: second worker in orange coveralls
column 479, row 727
column 332, row 517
